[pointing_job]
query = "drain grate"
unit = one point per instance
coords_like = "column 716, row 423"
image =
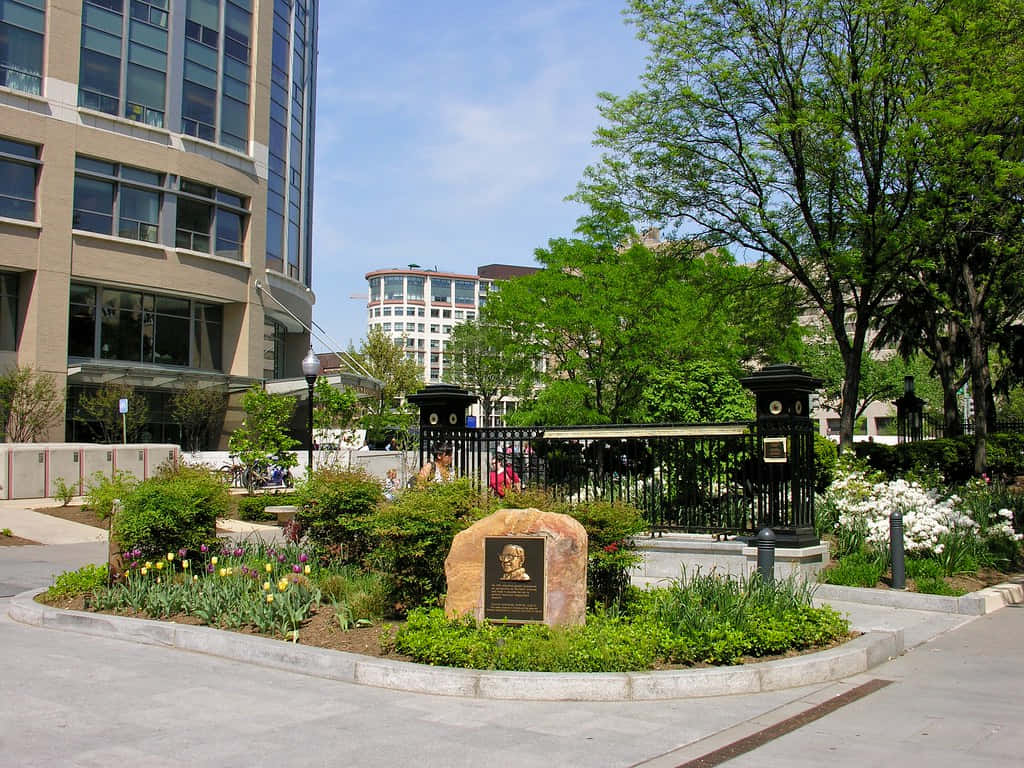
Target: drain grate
column 781, row 728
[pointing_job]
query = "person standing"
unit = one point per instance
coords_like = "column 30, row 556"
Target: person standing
column 502, row 476
column 440, row 469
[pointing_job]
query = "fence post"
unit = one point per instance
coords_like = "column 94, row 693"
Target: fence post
column 766, row 554
column 899, row 573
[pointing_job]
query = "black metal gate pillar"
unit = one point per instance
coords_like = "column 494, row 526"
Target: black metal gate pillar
column 784, row 453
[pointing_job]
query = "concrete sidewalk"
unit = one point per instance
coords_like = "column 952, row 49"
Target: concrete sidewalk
column 19, row 516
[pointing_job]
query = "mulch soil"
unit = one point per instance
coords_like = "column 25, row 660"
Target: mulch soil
column 15, row 541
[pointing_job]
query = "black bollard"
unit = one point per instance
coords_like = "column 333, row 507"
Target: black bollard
column 899, row 569
column 766, row 554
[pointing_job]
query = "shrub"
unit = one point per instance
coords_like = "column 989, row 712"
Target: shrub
column 102, row 491
column 357, row 595
column 254, row 508
column 860, row 569
column 610, row 527
column 64, row 491
column 414, row 535
column 74, row 583
column 178, row 508
column 334, row 509
column 826, row 455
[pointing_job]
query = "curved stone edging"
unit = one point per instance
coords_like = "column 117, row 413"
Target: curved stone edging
column 854, row 657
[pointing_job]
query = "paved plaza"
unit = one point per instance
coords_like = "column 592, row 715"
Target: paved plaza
column 953, row 699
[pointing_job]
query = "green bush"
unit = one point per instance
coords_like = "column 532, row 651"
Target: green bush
column 412, row 537
column 74, row 583
column 64, row 491
column 357, row 596
column 610, row 527
column 703, row 620
column 335, row 508
column 826, row 455
column 859, row 569
column 254, row 508
column 102, row 491
column 178, row 508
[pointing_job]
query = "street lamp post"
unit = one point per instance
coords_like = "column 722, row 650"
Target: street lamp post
column 310, row 369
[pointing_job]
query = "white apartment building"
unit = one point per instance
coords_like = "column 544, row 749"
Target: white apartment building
column 419, row 307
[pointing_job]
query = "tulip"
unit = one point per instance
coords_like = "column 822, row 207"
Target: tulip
column 270, row 598
column 203, row 548
column 144, row 571
column 297, row 569
column 268, row 567
column 160, row 566
column 303, row 557
column 223, row 572
column 213, row 559
column 266, row 586
column 307, row 570
column 184, row 564
column 170, row 556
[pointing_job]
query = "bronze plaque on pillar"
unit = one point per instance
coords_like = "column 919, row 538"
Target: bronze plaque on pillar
column 514, row 579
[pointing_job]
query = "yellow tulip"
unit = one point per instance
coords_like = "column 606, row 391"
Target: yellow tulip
column 195, row 578
column 230, row 571
column 160, row 566
column 213, row 559
column 149, row 564
column 184, row 564
column 282, row 586
column 266, row 586
column 268, row 567
column 307, row 570
column 223, row 571
column 145, row 571
column 270, row 598
column 170, row 556
column 157, row 579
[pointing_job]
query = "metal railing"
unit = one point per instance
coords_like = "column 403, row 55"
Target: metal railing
column 699, row 478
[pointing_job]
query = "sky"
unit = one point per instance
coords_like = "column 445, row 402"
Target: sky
column 449, row 133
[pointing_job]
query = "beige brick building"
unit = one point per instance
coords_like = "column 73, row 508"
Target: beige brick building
column 156, row 166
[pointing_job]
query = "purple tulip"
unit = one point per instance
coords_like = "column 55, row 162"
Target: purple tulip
column 281, row 558
column 297, row 568
column 303, row 557
column 203, row 548
column 239, row 552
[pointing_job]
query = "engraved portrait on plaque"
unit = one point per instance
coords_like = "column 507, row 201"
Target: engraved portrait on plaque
column 514, row 579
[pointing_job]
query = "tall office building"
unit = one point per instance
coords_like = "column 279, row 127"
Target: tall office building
column 156, row 183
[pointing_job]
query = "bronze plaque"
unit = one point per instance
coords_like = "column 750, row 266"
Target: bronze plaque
column 514, row 579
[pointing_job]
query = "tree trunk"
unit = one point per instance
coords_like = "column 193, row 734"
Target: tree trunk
column 980, row 377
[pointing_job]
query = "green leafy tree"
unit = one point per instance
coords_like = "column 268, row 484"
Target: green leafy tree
column 263, row 439
column 199, row 412
column 334, row 410
column 100, row 411
column 696, row 391
column 969, row 271
column 30, row 404
column 486, row 359
column 782, row 129
column 385, row 360
column 608, row 312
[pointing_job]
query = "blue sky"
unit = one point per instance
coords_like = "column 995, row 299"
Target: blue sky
column 450, row 132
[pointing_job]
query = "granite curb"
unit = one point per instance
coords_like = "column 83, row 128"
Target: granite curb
column 851, row 658
column 978, row 603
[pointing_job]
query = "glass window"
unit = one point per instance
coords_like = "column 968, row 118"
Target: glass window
column 464, row 292
column 440, row 289
column 193, row 225
column 94, row 205
column 414, row 286
column 82, row 322
column 21, row 45
column 99, row 83
column 374, row 289
column 8, row 311
column 393, row 287
column 18, row 170
column 229, row 234
column 140, row 214
column 170, row 331
column 198, row 110
column 121, row 326
column 208, row 324
column 145, row 95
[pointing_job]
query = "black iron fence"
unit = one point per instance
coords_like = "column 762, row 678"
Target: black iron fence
column 701, row 478
column 934, row 428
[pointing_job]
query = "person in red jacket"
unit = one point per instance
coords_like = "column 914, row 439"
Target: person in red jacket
column 502, row 477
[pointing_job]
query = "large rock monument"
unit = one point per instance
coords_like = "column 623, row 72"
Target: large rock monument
column 519, row 566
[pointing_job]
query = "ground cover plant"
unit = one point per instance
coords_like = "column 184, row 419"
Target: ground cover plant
column 701, row 619
column 358, row 561
column 950, row 531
